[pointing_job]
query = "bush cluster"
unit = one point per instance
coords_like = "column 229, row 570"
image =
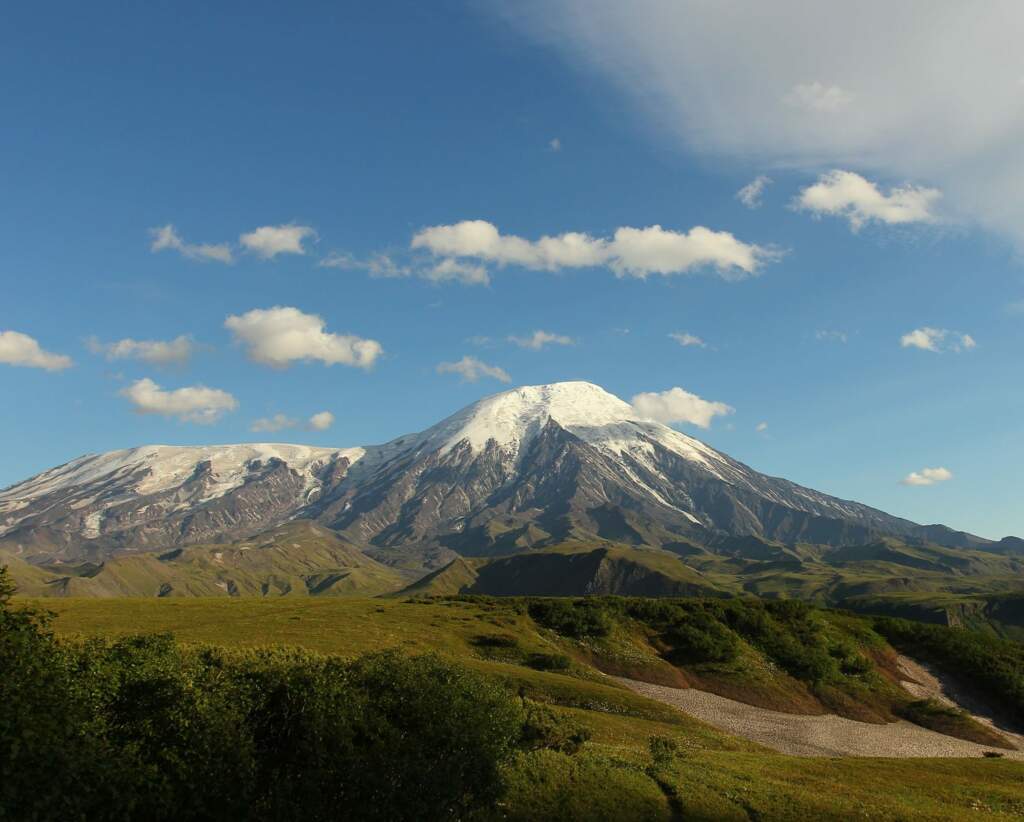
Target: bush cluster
column 142, row 728
column 700, row 631
column 994, row 667
column 574, row 618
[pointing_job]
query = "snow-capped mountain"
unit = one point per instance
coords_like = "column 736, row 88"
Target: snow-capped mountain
column 528, row 467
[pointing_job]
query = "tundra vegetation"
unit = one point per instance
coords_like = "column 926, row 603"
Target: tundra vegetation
column 463, row 708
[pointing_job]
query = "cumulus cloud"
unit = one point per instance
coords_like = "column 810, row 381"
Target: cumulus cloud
column 471, row 369
column 636, row 252
column 870, row 86
column 538, row 339
column 554, row 144
column 167, row 238
column 195, row 403
column 927, row 476
column 281, row 335
column 321, row 421
column 156, row 352
column 24, row 351
column 828, row 335
column 938, row 340
column 846, row 194
column 270, row 240
column 686, row 340
column 750, row 194
column 761, row 427
column 678, row 405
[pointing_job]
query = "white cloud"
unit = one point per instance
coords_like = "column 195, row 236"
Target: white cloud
column 686, row 339
column 846, row 194
column 817, row 97
column 761, row 427
column 927, row 476
column 826, row 335
column 195, row 403
column 281, row 335
column 471, row 369
column 750, row 194
column 635, row 252
column 555, row 144
column 24, row 351
column 278, row 422
column 270, row 240
column 938, row 340
column 677, row 405
column 156, row 352
column 321, row 421
column 167, row 238
column 538, row 339
column 920, row 90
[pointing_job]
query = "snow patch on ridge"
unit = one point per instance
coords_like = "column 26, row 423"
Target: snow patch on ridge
column 154, row 468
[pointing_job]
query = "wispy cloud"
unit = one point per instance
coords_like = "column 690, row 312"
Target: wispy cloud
column 688, row 340
column 167, row 238
column 831, row 335
column 471, row 369
column 156, row 352
column 278, row 422
column 538, row 339
column 750, row 194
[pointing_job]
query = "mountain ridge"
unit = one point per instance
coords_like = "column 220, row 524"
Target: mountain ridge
column 530, row 467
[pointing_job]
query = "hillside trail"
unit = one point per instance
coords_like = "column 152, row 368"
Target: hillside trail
column 829, row 734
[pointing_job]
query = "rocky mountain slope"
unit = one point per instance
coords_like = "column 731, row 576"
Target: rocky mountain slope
column 530, row 467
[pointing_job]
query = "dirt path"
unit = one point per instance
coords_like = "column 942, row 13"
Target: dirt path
column 799, row 735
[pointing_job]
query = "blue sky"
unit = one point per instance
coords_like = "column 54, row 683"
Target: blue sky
column 372, row 124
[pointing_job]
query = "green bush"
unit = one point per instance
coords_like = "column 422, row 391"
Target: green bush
column 698, row 637
column 142, row 728
column 549, row 662
column 543, row 728
column 993, row 667
column 572, row 618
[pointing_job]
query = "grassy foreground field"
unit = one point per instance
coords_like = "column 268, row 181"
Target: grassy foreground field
column 689, row 771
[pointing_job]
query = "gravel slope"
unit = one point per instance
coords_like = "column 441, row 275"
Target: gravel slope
column 799, row 735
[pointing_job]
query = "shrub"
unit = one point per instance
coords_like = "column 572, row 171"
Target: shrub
column 141, row 728
column 699, row 637
column 543, row 728
column 579, row 618
column 549, row 662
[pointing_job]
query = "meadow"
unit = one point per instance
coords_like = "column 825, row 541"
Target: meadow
column 575, row 744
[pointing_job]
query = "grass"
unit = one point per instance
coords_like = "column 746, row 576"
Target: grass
column 712, row 775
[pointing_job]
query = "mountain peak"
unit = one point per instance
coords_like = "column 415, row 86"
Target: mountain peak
column 516, row 415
